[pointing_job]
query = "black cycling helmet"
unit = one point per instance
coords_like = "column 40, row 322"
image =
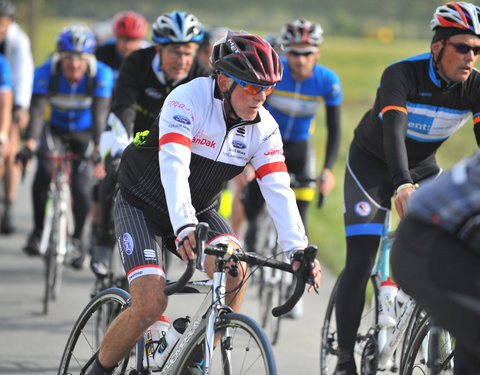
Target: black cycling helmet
column 248, row 58
column 7, row 9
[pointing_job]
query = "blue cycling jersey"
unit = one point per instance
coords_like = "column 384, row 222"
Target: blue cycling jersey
column 71, row 103
column 294, row 104
column 6, row 81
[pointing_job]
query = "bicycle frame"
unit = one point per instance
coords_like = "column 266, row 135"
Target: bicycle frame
column 389, row 338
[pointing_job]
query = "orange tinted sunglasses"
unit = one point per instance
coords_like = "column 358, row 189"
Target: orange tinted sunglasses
column 251, row 88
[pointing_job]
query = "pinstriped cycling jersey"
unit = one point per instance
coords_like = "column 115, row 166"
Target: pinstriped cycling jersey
column 294, row 104
column 434, row 113
column 181, row 168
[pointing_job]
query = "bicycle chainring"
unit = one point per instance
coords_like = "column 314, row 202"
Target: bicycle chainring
column 369, row 363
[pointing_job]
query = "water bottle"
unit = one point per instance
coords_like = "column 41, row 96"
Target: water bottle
column 388, row 291
column 154, row 340
column 167, row 343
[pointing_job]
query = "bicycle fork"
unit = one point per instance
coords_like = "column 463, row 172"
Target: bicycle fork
column 218, row 296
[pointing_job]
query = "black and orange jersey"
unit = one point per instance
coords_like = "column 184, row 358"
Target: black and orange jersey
column 414, row 113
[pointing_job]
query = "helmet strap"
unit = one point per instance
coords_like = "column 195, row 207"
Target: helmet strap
column 231, row 116
column 445, row 81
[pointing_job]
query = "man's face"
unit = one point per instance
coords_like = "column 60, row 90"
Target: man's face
column 74, row 65
column 177, row 59
column 4, row 24
column 127, row 45
column 301, row 59
column 454, row 64
column 246, row 106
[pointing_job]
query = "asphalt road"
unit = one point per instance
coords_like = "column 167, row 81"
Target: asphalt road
column 32, row 343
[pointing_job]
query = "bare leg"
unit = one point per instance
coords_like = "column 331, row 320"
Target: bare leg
column 148, row 304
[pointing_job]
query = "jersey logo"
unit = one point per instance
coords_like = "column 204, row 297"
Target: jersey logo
column 419, row 123
column 128, row 245
column 363, row 209
column 182, row 119
column 238, row 144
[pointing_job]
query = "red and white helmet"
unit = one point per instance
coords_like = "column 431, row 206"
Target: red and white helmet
column 460, row 15
column 302, row 31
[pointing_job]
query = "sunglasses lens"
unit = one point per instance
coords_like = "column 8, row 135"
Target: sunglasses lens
column 463, row 48
column 269, row 90
column 252, row 89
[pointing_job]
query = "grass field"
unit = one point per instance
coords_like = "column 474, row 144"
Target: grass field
column 359, row 63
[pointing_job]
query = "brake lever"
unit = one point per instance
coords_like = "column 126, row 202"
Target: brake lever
column 201, row 232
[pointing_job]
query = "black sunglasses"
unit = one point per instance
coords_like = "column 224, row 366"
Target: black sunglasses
column 296, row 54
column 464, row 48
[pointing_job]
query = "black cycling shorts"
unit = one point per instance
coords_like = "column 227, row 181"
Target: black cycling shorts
column 142, row 245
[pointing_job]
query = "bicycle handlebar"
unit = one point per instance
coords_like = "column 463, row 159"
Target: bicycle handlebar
column 303, row 275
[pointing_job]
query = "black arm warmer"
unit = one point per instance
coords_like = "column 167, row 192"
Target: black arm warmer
column 334, row 135
column 394, row 131
column 38, row 104
column 100, row 109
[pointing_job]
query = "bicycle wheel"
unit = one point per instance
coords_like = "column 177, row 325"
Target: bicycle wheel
column 242, row 349
column 413, row 325
column 50, row 259
column 419, row 355
column 85, row 339
column 329, row 343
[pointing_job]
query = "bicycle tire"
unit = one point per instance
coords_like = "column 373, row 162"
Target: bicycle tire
column 50, row 261
column 243, row 348
column 416, row 359
column 413, row 325
column 272, row 295
column 329, row 343
column 87, row 334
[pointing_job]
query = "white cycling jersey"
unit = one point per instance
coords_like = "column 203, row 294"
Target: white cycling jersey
column 19, row 55
column 199, row 153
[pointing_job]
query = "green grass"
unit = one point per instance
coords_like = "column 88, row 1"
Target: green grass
column 359, row 63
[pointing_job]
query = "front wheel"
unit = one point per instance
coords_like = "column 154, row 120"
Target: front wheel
column 242, row 349
column 88, row 332
column 428, row 348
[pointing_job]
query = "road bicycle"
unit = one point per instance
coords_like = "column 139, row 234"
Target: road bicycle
column 375, row 347
column 56, row 241
column 228, row 342
column 430, row 351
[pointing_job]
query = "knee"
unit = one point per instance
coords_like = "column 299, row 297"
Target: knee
column 149, row 303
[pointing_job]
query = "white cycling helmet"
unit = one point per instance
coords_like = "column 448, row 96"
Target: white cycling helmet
column 177, row 27
column 302, row 31
column 459, row 15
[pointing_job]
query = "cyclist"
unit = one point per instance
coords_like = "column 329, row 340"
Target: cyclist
column 146, row 77
column 6, row 106
column 78, row 89
column 15, row 46
column 170, row 180
column 436, row 253
column 210, row 37
column 294, row 104
column 420, row 102
column 130, row 30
